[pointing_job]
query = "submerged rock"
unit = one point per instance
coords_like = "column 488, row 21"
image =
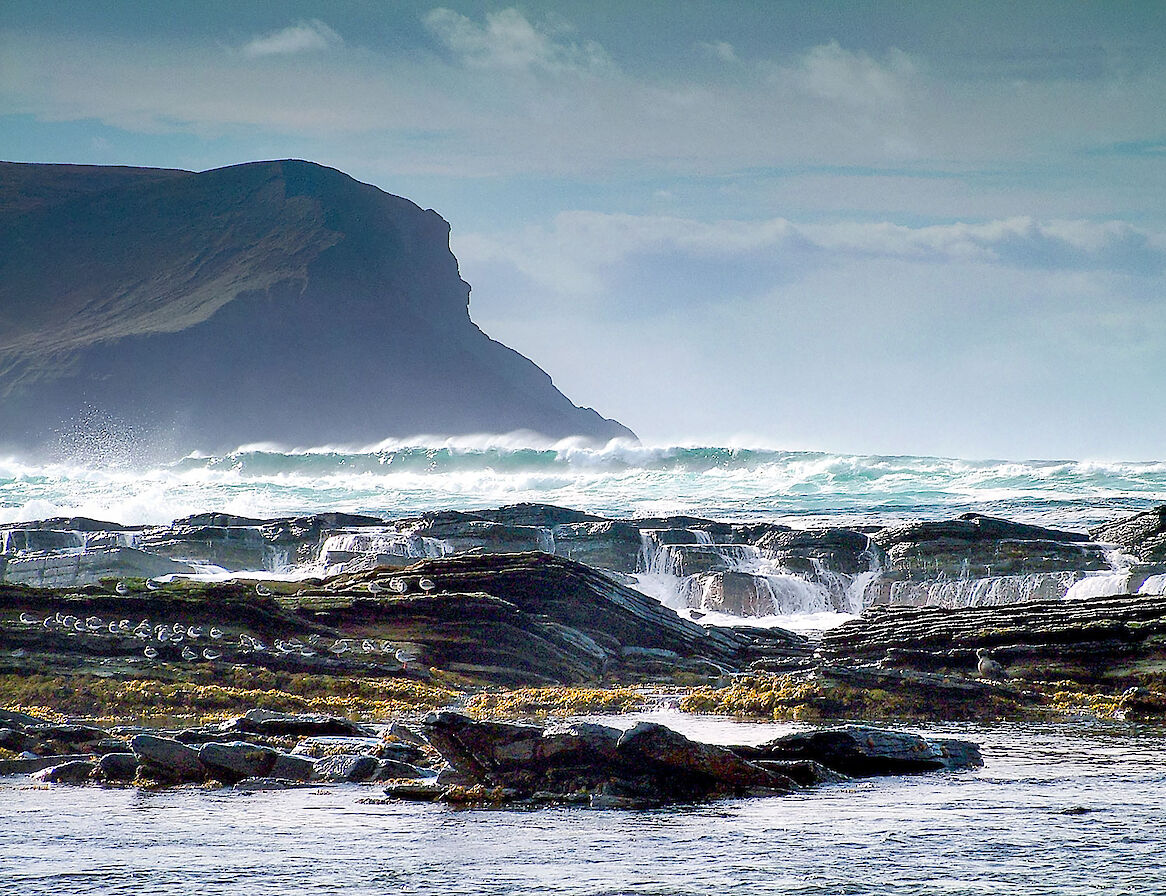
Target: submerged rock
column 263, row 721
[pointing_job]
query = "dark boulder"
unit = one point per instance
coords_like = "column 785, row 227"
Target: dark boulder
column 266, row 722
column 78, row 771
column 289, row 767
column 346, row 768
column 118, row 767
column 647, row 765
column 237, row 760
column 167, row 760
column 860, row 751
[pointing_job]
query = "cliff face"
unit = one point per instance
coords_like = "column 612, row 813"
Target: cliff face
column 272, row 301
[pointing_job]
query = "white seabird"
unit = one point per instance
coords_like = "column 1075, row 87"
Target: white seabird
column 988, row 667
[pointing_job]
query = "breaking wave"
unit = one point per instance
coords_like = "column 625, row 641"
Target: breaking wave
column 620, row 479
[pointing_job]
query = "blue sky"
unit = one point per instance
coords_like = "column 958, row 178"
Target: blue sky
column 873, row 227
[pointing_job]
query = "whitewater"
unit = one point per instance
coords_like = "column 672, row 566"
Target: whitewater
column 734, row 484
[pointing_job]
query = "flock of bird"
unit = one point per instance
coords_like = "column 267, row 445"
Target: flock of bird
column 192, row 638
column 173, row 634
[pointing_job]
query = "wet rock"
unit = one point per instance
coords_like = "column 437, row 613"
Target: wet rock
column 648, row 765
column 27, row 765
column 73, row 735
column 266, row 722
column 844, row 551
column 610, row 615
column 237, row 760
column 609, row 544
column 118, row 767
column 76, row 772
column 804, row 772
column 19, row 720
column 1143, row 534
column 70, row 569
column 860, row 751
column 228, row 546
column 701, row 767
column 976, row 546
column 346, row 767
column 388, row 769
column 264, row 785
column 168, row 759
column 417, row 791
column 292, row 768
column 1115, row 641
column 400, row 752
column 15, row 740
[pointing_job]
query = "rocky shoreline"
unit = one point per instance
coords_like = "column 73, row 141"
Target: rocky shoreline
column 514, row 633
column 452, row 758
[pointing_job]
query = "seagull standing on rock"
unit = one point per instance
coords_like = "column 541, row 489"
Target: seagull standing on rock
column 988, row 667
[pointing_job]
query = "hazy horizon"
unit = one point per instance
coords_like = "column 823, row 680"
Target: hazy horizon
column 869, row 229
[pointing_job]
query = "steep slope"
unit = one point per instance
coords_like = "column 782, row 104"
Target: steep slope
column 272, row 301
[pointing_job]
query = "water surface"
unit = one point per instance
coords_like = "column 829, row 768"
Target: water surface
column 1074, row 808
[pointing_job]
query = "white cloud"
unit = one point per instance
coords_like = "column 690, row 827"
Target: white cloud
column 303, row 37
column 510, row 42
column 579, row 251
column 857, row 79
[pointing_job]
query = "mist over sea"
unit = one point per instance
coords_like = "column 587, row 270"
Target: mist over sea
column 394, row 479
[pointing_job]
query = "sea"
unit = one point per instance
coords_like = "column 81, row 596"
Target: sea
column 1069, row 808
column 621, row 479
column 1073, row 809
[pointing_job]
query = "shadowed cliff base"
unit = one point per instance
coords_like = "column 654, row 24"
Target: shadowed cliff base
column 272, row 301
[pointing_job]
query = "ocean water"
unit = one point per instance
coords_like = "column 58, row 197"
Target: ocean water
column 1068, row 809
column 1074, row 808
column 621, row 480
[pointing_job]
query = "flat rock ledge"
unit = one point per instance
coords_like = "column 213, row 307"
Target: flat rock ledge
column 651, row 765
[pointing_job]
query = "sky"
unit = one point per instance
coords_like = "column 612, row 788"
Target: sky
column 866, row 227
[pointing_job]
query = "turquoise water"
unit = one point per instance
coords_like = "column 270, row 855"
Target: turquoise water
column 803, row 488
column 1059, row 809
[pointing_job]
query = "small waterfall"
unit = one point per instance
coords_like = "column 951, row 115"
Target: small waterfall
column 1153, row 585
column 687, row 569
column 278, row 560
column 1101, row 585
column 389, row 542
column 31, row 541
column 990, row 591
column 662, row 552
column 546, row 540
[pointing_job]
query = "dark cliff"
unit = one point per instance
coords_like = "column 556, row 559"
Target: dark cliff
column 272, row 301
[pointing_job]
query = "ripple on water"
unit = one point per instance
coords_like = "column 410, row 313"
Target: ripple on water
column 1002, row 829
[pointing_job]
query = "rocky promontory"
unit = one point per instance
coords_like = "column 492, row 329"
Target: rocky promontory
column 133, row 300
